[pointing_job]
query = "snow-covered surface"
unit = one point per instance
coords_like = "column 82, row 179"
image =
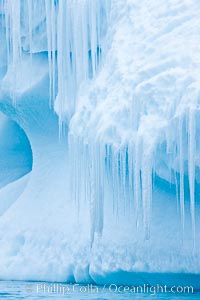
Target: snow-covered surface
column 114, row 187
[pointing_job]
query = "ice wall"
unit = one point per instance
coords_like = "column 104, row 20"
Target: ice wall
column 142, row 108
column 149, row 117
column 123, row 79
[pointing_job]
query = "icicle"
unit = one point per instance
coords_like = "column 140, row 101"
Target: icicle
column 146, row 190
column 93, row 35
column 30, row 25
column 53, row 49
column 13, row 34
column 92, row 207
column 84, row 35
column 49, row 44
column 2, row 12
column 61, row 60
column 181, row 171
column 97, row 188
column 79, row 36
column 16, row 34
column 137, row 184
column 8, row 37
column 98, row 159
column 114, row 180
column 177, row 192
column 130, row 174
column 191, row 165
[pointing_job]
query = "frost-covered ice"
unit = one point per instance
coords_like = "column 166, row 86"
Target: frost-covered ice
column 107, row 93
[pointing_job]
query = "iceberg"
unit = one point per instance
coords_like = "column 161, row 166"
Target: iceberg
column 104, row 99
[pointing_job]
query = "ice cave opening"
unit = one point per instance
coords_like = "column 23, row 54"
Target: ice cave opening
column 15, row 151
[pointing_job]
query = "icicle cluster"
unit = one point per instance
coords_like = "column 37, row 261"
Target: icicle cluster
column 181, row 154
column 126, row 175
column 13, row 31
column 74, row 31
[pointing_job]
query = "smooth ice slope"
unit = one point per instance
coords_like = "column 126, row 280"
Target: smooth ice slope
column 107, row 92
column 15, row 152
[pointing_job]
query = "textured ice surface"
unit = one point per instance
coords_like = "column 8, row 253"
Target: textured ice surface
column 107, row 92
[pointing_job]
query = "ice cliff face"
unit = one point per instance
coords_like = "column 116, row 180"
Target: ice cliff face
column 107, row 93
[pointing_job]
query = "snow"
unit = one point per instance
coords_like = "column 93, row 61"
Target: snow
column 107, row 94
